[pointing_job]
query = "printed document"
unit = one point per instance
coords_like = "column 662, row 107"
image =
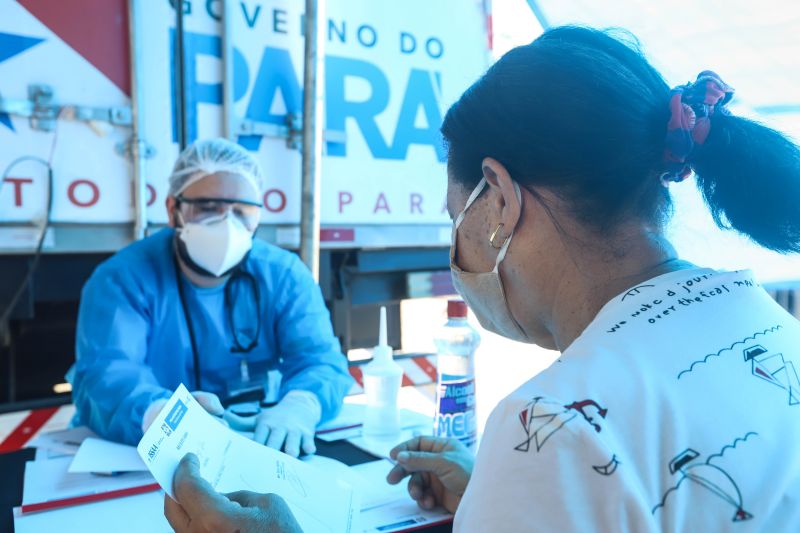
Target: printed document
column 320, row 502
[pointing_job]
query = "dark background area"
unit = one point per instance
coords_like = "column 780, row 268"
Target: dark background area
column 40, row 345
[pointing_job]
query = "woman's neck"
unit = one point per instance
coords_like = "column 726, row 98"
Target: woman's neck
column 594, row 279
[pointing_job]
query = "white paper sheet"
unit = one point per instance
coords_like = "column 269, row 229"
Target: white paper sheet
column 380, row 446
column 375, row 490
column 351, row 417
column 319, row 501
column 389, row 508
column 334, row 468
column 402, row 515
column 384, row 508
column 98, row 455
column 49, row 480
column 60, row 443
column 132, row 514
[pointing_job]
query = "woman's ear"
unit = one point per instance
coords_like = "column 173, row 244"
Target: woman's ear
column 505, row 200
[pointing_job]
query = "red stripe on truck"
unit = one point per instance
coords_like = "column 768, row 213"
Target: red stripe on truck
column 27, row 429
column 426, row 367
column 337, row 235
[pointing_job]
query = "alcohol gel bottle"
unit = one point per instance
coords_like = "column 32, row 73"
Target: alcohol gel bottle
column 456, row 343
column 382, row 379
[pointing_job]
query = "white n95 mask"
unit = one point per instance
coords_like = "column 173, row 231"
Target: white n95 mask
column 484, row 292
column 217, row 244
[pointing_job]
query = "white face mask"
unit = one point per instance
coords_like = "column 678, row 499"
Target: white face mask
column 216, row 244
column 484, row 292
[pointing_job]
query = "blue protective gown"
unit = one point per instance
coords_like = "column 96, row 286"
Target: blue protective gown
column 133, row 345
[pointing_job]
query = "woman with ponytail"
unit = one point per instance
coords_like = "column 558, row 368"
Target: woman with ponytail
column 675, row 403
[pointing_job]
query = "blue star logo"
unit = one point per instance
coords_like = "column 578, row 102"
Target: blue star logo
column 11, row 45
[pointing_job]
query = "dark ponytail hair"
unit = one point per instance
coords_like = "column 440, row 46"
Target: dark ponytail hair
column 584, row 114
column 750, row 178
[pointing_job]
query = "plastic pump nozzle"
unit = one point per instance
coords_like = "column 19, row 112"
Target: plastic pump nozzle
column 382, row 330
column 382, row 352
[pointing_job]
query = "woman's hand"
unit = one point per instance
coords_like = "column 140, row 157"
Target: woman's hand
column 439, row 469
column 200, row 509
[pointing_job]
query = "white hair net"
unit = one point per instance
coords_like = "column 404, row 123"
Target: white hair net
column 206, row 157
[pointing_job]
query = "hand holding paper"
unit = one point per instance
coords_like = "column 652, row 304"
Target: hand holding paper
column 200, row 508
column 229, row 462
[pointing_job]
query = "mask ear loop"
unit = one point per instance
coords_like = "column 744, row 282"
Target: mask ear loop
column 471, row 200
column 472, row 197
column 504, row 247
column 502, row 255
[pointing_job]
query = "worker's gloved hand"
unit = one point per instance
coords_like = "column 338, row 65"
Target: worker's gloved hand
column 200, row 509
column 208, row 401
column 439, row 468
column 289, row 426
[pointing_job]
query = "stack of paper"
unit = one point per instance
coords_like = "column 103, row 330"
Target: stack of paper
column 102, row 456
column 50, row 485
column 60, row 443
column 132, row 514
column 63, row 491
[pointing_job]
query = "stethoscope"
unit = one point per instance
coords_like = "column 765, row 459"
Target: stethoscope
column 238, row 275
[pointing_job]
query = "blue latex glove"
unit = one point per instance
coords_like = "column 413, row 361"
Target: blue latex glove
column 289, row 426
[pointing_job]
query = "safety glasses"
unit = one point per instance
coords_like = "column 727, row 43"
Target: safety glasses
column 199, row 209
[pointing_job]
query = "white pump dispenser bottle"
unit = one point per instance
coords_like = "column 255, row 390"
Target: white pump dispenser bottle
column 382, row 380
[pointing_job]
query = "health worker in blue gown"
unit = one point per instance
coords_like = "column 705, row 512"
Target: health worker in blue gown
column 204, row 304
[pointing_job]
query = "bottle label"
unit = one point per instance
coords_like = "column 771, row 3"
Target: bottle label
column 455, row 416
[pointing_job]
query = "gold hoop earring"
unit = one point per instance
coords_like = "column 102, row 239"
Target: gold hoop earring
column 493, row 236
